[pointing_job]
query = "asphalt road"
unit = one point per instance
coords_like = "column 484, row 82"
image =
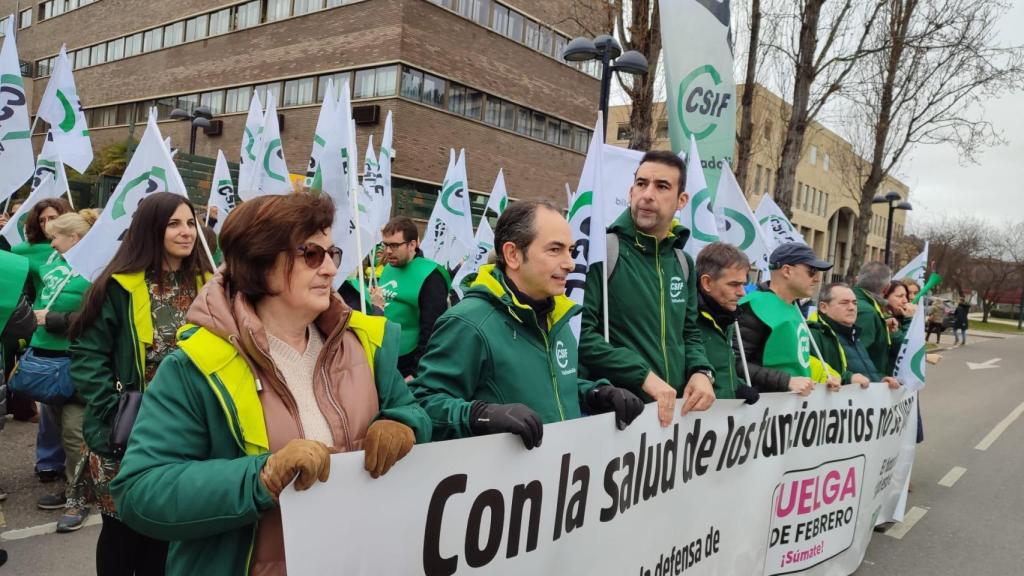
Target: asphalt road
column 973, row 527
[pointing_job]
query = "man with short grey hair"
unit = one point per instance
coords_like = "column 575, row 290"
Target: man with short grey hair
column 872, row 321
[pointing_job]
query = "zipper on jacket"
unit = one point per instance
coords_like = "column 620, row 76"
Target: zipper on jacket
column 661, row 306
column 286, row 394
column 554, row 377
column 330, row 341
column 136, row 345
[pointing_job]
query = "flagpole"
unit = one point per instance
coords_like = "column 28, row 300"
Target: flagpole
column 743, row 355
column 206, row 248
column 354, row 193
column 814, row 344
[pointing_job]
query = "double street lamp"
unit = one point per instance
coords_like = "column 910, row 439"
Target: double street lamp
column 200, row 118
column 895, row 202
column 606, row 49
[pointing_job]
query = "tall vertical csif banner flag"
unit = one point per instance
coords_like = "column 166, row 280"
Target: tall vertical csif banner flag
column 698, row 75
column 15, row 140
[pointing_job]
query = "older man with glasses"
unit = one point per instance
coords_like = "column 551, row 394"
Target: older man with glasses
column 414, row 290
column 775, row 336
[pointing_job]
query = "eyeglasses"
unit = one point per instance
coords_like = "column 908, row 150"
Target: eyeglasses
column 394, row 245
column 313, row 254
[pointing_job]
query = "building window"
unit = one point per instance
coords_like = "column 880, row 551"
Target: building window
column 98, row 54
column 25, row 19
column 386, row 81
column 580, row 139
column 105, row 116
column 624, row 132
column 307, row 6
column 516, row 23
column 481, row 11
column 560, row 42
column 364, row 84
column 457, row 99
column 523, row 118
column 220, row 22
column 565, row 134
column 298, row 92
column 339, row 80
column 237, row 99
column 115, row 49
column 474, row 103
column 532, row 34
column 174, row 34
column 333, row 3
column 133, row 45
column 492, row 113
column 195, row 28
column 274, row 88
column 757, row 177
column 499, row 19
column 433, row 90
column 247, row 15
column 152, row 39
column 214, row 101
column 81, row 58
column 825, row 162
column 412, row 83
column 814, row 155
column 278, row 9
column 546, row 37
column 125, row 114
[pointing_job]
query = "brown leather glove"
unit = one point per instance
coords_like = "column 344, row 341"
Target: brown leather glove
column 309, row 459
column 387, row 441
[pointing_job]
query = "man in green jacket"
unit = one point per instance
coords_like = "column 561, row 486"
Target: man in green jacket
column 721, row 276
column 504, row 358
column 654, row 347
column 834, row 329
column 874, row 324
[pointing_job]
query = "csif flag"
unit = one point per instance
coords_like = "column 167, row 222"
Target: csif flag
column 328, row 115
column 776, row 227
column 222, row 192
column 62, row 109
column 449, row 233
column 251, row 136
column 270, row 175
column 911, row 360
column 916, row 268
column 698, row 214
column 736, row 223
column 385, row 157
column 587, row 221
column 149, row 170
column 48, row 181
column 484, row 239
column 336, row 164
column 15, row 140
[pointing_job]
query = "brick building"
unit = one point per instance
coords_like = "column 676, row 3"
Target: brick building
column 478, row 74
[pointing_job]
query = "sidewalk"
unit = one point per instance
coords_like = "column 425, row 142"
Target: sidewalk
column 977, row 316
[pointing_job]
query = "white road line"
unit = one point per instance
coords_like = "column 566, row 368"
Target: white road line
column 22, row 533
column 952, row 476
column 992, row 436
column 900, row 529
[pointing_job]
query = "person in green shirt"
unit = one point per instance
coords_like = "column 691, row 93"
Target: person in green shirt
column 36, row 246
column 654, row 347
column 721, row 277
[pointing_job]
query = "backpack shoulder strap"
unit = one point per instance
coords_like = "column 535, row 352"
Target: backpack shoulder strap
column 612, row 250
column 684, row 263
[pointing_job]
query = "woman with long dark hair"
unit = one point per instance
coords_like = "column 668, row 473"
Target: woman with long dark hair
column 127, row 326
column 36, row 246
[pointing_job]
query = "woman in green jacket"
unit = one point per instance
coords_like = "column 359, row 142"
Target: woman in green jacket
column 126, row 327
column 36, row 246
column 272, row 375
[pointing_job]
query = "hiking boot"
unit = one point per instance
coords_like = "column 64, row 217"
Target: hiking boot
column 72, row 519
column 47, row 476
column 51, row 501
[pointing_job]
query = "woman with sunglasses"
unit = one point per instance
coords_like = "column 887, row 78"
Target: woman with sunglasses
column 127, row 326
column 273, row 375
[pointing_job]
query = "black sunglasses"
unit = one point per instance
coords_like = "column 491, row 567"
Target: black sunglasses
column 313, row 254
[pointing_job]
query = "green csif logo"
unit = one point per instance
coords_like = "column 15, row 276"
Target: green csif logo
column 702, row 201
column 454, row 189
column 155, row 179
column 749, row 232
column 699, row 99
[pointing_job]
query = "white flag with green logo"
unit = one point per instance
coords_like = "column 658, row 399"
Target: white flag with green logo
column 484, row 239
column 337, row 163
column 448, row 239
column 149, row 170
column 251, row 137
column 270, row 176
column 699, row 213
column 328, row 116
column 15, row 140
column 698, row 78
column 776, row 227
column 587, row 220
column 911, row 360
column 916, row 268
column 61, row 107
column 385, row 157
column 371, row 197
column 223, row 195
column 48, row 181
column 736, row 223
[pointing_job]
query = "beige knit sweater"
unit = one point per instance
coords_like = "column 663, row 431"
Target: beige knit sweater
column 297, row 369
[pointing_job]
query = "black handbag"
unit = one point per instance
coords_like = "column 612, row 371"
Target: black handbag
column 127, row 411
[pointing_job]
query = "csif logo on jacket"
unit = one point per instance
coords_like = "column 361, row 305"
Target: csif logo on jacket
column 562, row 357
column 677, row 290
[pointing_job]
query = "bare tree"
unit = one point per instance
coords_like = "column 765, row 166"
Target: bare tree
column 832, row 37
column 955, row 243
column 935, row 62
column 745, row 136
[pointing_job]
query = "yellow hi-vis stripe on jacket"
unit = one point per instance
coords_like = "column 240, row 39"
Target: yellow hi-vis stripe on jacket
column 234, row 385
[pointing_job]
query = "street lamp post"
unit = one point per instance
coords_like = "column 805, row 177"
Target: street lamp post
column 606, row 49
column 200, row 118
column 891, row 199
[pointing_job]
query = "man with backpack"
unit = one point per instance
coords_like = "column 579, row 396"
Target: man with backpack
column 654, row 347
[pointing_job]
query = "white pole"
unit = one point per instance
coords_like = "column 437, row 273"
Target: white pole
column 353, row 180
column 206, row 248
column 814, row 343
column 743, row 355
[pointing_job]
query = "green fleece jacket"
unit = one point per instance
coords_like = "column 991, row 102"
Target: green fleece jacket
column 653, row 313
column 842, row 348
column 718, row 346
column 38, row 254
column 873, row 332
column 198, row 487
column 493, row 348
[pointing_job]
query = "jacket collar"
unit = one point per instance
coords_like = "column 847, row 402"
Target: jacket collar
column 489, row 283
column 626, row 229
column 849, row 332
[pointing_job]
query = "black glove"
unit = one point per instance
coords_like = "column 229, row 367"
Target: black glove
column 487, row 418
column 606, row 398
column 748, row 394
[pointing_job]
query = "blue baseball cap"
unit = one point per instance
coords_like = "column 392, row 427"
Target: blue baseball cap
column 793, row 253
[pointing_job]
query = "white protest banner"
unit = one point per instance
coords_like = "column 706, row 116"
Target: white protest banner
column 49, row 181
column 916, row 268
column 788, row 484
column 252, row 133
column 736, row 223
column 484, row 238
column 223, row 196
column 777, row 228
column 149, row 170
column 699, row 213
column 697, row 50
column 61, row 107
column 911, row 360
column 15, row 140
column 617, row 168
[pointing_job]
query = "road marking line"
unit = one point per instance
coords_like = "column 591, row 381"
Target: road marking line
column 952, row 476
column 900, row 529
column 22, row 533
column 992, row 436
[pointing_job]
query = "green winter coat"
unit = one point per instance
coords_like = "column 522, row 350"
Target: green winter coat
column 842, row 348
column 874, row 334
column 491, row 347
column 653, row 313
column 38, row 254
column 719, row 350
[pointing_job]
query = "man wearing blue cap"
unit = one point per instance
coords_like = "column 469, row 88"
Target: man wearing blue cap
column 775, row 337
